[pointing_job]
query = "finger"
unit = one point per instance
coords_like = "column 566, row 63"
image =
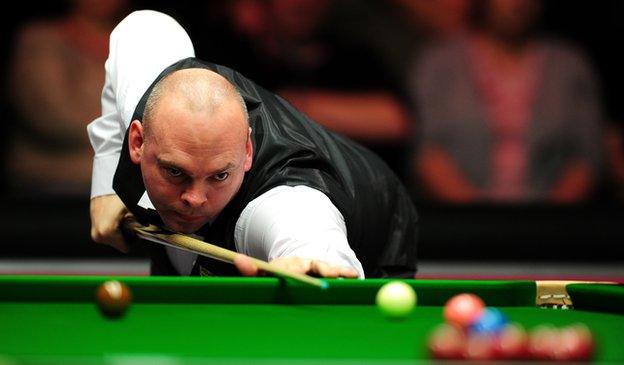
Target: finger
column 245, row 265
column 323, row 269
column 111, row 237
column 292, row 264
column 118, row 242
column 346, row 272
column 330, row 271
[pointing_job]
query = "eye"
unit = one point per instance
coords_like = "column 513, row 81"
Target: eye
column 173, row 172
column 221, row 176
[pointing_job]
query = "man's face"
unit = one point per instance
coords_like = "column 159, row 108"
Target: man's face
column 192, row 163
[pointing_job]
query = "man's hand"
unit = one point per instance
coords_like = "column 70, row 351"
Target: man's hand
column 107, row 213
column 297, row 265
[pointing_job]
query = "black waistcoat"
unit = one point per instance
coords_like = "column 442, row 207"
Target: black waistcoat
column 290, row 149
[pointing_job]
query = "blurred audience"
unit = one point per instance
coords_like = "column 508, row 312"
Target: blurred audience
column 286, row 46
column 56, row 78
column 394, row 29
column 615, row 152
column 506, row 115
column 503, row 114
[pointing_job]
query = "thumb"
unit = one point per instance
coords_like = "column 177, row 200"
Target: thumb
column 245, row 265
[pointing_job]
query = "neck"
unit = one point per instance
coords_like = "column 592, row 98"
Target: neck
column 501, row 52
column 504, row 46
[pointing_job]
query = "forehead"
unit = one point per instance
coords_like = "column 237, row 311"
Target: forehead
column 197, row 139
column 176, row 115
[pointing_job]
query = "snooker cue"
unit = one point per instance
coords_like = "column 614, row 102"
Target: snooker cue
column 199, row 247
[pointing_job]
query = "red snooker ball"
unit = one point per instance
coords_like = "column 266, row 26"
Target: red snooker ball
column 575, row 343
column 512, row 342
column 480, row 346
column 113, row 298
column 463, row 309
column 543, row 340
column 447, row 342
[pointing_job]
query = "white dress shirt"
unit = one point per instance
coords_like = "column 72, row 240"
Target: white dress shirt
column 283, row 222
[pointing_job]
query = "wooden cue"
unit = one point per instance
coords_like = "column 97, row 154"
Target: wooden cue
column 199, row 247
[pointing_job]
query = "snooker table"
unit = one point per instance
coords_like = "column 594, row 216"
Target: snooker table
column 265, row 320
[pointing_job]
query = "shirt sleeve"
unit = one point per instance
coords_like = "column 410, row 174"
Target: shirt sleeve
column 295, row 221
column 141, row 47
column 106, row 136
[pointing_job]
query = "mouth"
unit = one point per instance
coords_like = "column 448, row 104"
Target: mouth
column 189, row 218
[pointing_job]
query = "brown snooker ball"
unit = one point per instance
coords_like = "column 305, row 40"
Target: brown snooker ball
column 113, row 298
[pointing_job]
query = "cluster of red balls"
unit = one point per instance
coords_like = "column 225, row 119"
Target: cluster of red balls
column 474, row 332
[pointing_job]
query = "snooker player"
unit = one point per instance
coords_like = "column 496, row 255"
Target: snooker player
column 200, row 149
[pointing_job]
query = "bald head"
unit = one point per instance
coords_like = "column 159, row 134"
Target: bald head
column 198, row 91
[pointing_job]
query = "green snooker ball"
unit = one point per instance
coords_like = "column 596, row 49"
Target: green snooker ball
column 396, row 299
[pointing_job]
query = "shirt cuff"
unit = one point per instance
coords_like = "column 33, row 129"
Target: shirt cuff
column 103, row 172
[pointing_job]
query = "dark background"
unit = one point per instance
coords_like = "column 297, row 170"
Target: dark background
column 591, row 232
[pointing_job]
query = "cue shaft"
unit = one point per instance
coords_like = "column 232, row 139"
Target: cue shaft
column 182, row 241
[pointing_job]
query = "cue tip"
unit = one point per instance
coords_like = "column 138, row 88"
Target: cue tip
column 324, row 284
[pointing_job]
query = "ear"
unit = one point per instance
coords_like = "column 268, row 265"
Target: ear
column 135, row 141
column 248, row 153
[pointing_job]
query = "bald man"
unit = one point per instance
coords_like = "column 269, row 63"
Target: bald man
column 199, row 149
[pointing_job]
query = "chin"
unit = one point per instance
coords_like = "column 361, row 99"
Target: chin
column 187, row 229
column 182, row 227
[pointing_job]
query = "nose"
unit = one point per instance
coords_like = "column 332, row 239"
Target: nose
column 194, row 196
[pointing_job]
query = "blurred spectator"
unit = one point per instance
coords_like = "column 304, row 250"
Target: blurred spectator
column 55, row 79
column 507, row 116
column 615, row 151
column 285, row 46
column 395, row 30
